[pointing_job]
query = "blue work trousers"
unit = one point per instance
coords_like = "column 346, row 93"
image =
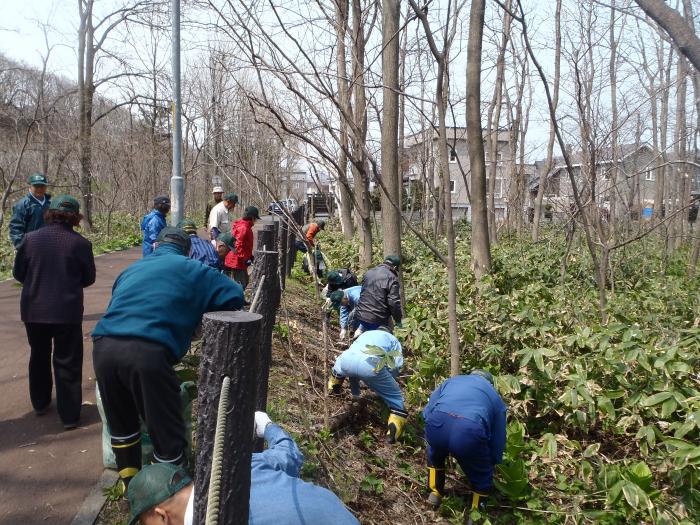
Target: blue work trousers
column 466, row 441
column 383, row 383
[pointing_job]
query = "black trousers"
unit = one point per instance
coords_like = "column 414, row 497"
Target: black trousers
column 137, row 381
column 65, row 343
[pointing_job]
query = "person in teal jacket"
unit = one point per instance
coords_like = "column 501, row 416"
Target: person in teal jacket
column 465, row 418
column 278, row 496
column 156, row 304
column 153, row 222
column 375, row 358
column 345, row 301
column 28, row 212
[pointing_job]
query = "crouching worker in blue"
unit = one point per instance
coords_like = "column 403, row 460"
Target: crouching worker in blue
column 375, row 358
column 156, row 304
column 165, row 493
column 465, row 417
column 345, row 301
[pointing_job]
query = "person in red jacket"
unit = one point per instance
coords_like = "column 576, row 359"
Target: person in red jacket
column 237, row 261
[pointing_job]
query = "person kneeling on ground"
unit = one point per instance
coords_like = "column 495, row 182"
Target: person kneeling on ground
column 164, row 493
column 201, row 250
column 345, row 301
column 156, row 305
column 375, row 358
column 380, row 300
column 465, row 417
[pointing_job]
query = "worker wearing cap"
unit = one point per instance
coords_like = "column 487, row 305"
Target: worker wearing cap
column 311, row 230
column 219, row 218
column 153, row 222
column 340, row 279
column 380, row 300
column 28, row 212
column 238, row 261
column 156, row 304
column 466, row 418
column 54, row 264
column 345, row 301
column 375, row 358
column 225, row 243
column 165, row 493
column 201, row 250
column 217, row 194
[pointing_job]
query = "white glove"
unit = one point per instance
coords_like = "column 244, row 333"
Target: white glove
column 342, row 334
column 261, row 422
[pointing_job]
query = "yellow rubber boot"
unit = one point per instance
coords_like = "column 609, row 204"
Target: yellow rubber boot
column 397, row 419
column 436, row 483
column 478, row 501
column 335, row 384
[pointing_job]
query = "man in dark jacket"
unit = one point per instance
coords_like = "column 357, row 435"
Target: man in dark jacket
column 54, row 264
column 153, row 222
column 28, row 213
column 156, row 305
column 380, row 299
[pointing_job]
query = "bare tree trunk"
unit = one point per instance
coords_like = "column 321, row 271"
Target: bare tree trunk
column 550, row 144
column 677, row 186
column 360, row 176
column 481, row 249
column 391, row 216
column 86, row 90
column 341, row 10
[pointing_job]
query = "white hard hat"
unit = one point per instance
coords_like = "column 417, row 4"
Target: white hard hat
column 217, row 189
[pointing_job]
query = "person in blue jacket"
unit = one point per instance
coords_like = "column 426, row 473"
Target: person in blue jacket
column 28, row 212
column 345, row 301
column 375, row 358
column 466, row 418
column 156, row 304
column 153, row 222
column 165, row 494
column 201, row 250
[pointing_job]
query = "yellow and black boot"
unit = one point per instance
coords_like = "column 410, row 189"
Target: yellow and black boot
column 397, row 419
column 335, row 384
column 127, row 453
column 436, row 482
column 478, row 501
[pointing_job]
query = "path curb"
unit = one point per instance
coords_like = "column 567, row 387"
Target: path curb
column 95, row 500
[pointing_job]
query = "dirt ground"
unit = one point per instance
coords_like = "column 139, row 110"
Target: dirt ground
column 380, row 483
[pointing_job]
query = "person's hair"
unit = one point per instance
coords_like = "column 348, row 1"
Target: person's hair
column 62, row 217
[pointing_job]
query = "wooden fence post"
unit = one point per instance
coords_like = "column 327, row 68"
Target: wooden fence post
column 230, row 348
column 266, row 264
column 283, row 247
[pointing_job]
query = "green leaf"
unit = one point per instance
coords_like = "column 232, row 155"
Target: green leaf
column 669, row 407
column 656, row 399
column 373, row 350
column 606, row 407
column 591, row 450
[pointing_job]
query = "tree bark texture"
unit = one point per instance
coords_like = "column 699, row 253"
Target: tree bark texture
column 391, row 216
column 230, row 348
column 481, row 248
column 266, row 264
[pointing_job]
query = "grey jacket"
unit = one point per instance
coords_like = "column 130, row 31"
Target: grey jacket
column 380, row 298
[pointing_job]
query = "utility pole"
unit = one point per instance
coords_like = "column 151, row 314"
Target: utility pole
column 177, row 183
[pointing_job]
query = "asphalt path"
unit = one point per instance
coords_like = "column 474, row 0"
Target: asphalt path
column 45, row 472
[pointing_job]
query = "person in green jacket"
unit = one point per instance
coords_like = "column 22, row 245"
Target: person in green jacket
column 157, row 303
column 28, row 212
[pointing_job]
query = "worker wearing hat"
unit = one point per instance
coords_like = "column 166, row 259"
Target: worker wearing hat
column 201, row 250
column 156, row 304
column 345, row 302
column 217, row 195
column 238, row 260
column 153, row 222
column 219, row 217
column 28, row 212
column 54, row 264
column 165, row 493
column 340, row 279
column 375, row 358
column 465, row 418
column 380, row 300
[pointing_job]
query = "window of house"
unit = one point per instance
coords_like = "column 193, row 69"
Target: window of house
column 498, row 191
column 453, row 186
column 649, row 175
column 453, row 156
column 499, row 157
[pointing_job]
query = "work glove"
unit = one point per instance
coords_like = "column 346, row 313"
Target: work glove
column 214, row 233
column 261, row 422
column 327, row 305
column 342, row 334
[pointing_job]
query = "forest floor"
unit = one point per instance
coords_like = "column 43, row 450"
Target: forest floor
column 380, row 483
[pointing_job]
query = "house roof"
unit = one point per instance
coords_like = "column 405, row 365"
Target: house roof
column 453, row 133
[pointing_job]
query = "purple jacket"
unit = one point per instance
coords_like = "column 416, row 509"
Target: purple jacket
column 54, row 264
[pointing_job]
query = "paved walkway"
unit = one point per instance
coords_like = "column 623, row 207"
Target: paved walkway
column 45, row 472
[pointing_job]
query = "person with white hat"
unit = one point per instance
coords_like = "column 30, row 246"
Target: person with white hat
column 218, row 195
